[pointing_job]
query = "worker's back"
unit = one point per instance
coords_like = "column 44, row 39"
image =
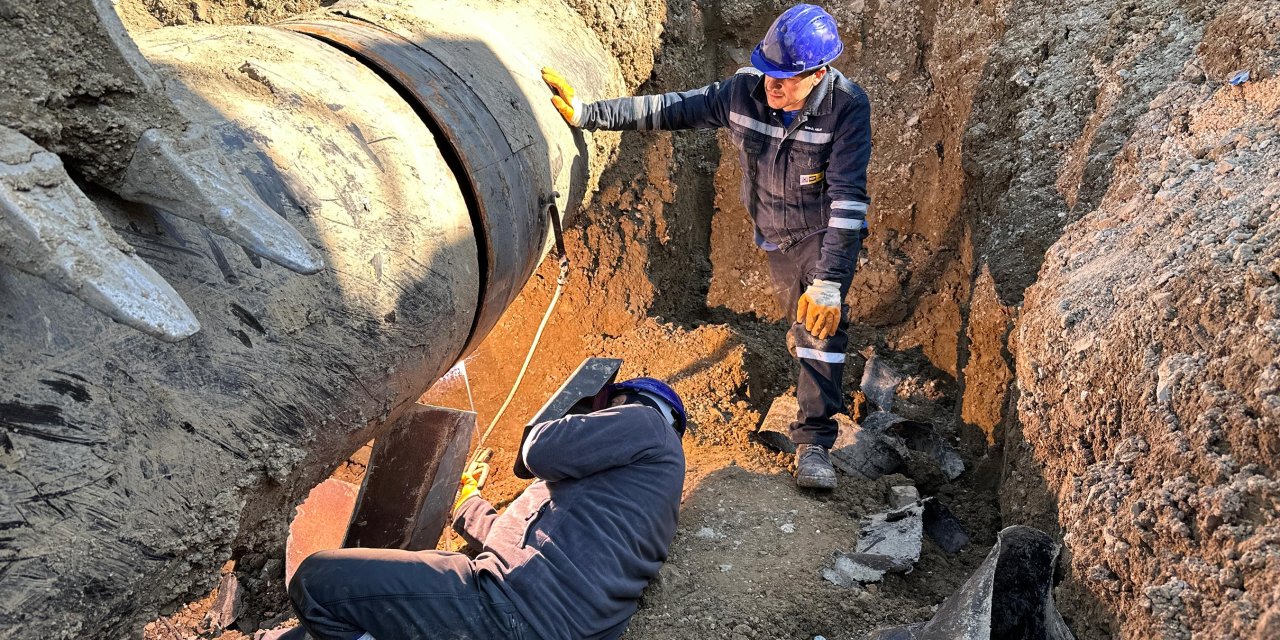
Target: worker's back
column 576, row 550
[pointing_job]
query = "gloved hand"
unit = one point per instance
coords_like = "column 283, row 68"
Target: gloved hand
column 470, row 487
column 819, row 308
column 566, row 99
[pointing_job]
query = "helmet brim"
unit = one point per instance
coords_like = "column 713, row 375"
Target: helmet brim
column 762, row 64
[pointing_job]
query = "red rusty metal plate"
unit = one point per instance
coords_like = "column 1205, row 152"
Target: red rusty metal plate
column 320, row 524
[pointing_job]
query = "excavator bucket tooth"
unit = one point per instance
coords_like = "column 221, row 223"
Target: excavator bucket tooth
column 189, row 178
column 51, row 230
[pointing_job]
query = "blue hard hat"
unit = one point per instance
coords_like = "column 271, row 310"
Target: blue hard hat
column 802, row 38
column 662, row 391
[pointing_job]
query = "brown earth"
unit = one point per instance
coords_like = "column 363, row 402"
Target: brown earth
column 1090, row 147
column 1148, row 356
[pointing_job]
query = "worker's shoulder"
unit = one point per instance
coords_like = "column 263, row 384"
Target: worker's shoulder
column 644, row 418
column 639, row 413
column 850, row 89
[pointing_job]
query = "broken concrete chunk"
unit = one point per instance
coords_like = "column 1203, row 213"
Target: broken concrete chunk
column 190, row 179
column 897, row 534
column 879, row 381
column 847, row 573
column 780, row 442
column 865, row 451
column 887, row 543
column 228, row 605
column 902, row 496
column 49, row 229
column 942, row 527
column 775, row 430
column 1009, row 596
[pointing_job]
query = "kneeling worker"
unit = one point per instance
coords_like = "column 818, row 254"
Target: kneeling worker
column 568, row 559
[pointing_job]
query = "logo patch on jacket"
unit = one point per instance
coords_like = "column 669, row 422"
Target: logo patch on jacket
column 807, row 179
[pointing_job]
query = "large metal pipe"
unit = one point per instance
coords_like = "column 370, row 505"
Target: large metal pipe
column 416, row 156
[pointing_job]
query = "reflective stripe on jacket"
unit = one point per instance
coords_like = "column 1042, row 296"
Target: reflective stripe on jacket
column 807, row 178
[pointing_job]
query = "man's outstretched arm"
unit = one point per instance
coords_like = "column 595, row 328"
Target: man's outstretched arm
column 701, row 108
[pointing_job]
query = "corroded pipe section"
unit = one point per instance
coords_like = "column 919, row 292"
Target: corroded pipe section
column 484, row 99
column 125, row 459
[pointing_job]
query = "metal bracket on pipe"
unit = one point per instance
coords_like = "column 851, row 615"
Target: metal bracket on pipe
column 51, row 230
column 411, row 481
column 553, row 212
column 189, row 179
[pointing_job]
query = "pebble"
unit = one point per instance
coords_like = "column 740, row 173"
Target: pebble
column 788, row 528
column 707, row 533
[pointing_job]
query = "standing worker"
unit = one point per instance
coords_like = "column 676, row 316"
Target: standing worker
column 803, row 131
column 567, row 560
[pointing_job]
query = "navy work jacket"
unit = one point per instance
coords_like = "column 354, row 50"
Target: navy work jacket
column 798, row 180
column 575, row 551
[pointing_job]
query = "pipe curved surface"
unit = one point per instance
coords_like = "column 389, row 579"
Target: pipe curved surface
column 131, row 466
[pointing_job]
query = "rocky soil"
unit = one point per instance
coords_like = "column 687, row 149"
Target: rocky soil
column 1148, row 355
column 1074, row 258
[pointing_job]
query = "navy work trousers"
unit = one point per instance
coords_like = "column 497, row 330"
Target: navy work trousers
column 818, row 391
column 401, row 595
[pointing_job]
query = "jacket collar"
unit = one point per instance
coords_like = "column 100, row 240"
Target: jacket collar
column 818, row 102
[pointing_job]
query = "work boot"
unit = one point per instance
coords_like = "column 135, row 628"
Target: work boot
column 813, row 467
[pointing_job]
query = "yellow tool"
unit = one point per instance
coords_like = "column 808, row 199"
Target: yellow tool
column 478, row 468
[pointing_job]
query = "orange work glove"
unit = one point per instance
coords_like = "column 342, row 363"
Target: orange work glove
column 819, row 308
column 566, row 99
column 470, row 487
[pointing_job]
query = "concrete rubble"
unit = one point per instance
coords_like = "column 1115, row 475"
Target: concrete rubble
column 228, row 606
column 888, row 542
column 883, row 443
column 1009, row 596
column 902, row 496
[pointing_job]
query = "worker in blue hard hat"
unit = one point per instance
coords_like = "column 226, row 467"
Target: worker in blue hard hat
column 803, row 131
column 568, row 559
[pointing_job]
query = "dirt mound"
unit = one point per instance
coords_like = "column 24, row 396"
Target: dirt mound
column 144, row 14
column 1148, row 351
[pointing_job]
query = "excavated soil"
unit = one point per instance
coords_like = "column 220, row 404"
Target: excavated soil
column 1088, row 149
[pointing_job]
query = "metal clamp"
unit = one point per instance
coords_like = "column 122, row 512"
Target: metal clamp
column 553, row 210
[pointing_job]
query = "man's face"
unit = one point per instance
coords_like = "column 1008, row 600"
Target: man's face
column 789, row 94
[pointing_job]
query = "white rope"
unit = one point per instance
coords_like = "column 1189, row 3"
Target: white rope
column 466, row 379
column 525, row 367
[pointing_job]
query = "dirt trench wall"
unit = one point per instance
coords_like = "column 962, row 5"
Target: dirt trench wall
column 998, row 125
column 1148, row 351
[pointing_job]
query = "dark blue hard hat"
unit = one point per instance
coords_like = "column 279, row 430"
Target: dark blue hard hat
column 802, row 38
column 662, row 391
